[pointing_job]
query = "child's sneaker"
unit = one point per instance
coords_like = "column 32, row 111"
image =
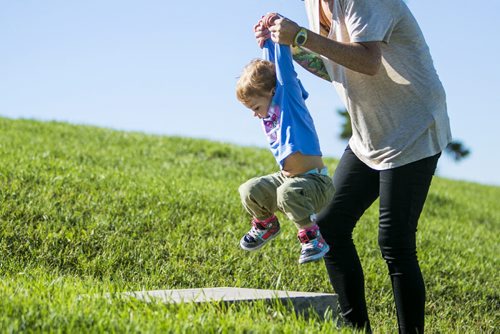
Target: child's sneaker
column 314, row 246
column 260, row 233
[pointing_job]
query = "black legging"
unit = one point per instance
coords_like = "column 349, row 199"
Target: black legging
column 402, row 192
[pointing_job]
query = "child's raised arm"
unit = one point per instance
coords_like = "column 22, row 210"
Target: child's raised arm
column 281, row 56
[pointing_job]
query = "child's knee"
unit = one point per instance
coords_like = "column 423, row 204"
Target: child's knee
column 248, row 187
column 251, row 189
column 245, row 189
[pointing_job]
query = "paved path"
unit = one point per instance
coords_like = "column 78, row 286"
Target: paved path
column 301, row 301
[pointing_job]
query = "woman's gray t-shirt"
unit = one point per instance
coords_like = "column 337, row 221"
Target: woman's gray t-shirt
column 398, row 115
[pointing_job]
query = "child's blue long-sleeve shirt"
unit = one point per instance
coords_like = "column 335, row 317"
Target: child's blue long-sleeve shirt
column 289, row 126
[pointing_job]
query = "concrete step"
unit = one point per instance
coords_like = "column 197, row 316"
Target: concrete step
column 302, row 302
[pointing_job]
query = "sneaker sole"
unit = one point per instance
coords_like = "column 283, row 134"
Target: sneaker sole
column 261, row 245
column 315, row 257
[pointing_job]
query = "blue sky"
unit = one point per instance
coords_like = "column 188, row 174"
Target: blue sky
column 169, row 67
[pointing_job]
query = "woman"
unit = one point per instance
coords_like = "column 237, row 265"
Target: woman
column 377, row 58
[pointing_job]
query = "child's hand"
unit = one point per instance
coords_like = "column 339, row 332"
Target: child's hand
column 261, row 29
column 269, row 19
column 261, row 34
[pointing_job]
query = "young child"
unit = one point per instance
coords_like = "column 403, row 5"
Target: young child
column 271, row 89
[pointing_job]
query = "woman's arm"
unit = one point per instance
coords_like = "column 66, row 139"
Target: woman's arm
column 308, row 60
column 311, row 62
column 360, row 57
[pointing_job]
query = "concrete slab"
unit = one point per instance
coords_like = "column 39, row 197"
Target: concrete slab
column 302, row 302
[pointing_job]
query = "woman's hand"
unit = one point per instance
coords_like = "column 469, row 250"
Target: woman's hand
column 283, row 31
column 279, row 29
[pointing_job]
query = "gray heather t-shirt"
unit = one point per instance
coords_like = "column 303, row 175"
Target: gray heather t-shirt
column 398, row 115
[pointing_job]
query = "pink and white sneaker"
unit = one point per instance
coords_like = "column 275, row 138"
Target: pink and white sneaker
column 314, row 246
column 260, row 233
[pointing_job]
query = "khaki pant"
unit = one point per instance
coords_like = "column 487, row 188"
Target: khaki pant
column 297, row 197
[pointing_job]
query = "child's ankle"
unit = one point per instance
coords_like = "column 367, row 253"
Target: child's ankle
column 308, row 223
column 308, row 226
column 264, row 222
column 308, row 232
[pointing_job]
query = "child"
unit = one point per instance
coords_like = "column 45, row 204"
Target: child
column 271, row 89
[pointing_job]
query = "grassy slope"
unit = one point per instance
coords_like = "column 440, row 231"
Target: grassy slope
column 85, row 211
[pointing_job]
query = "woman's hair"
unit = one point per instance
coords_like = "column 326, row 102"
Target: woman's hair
column 257, row 78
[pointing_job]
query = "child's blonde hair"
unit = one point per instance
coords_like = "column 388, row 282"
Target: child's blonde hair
column 257, row 78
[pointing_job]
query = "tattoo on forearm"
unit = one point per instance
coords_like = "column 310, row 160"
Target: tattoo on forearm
column 310, row 61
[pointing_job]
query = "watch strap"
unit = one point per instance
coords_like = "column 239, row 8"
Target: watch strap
column 300, row 38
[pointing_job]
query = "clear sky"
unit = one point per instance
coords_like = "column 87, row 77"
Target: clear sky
column 169, row 67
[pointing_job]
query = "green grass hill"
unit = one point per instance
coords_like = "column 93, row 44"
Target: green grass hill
column 87, row 211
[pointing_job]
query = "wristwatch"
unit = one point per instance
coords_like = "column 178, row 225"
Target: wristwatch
column 301, row 37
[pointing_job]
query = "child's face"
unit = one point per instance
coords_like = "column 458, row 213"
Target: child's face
column 260, row 104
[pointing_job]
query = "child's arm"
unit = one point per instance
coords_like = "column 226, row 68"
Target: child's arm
column 311, row 62
column 281, row 56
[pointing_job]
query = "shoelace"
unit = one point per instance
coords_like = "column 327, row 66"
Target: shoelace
column 255, row 232
column 308, row 245
column 311, row 245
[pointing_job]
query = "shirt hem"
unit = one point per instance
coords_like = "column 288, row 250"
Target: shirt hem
column 391, row 165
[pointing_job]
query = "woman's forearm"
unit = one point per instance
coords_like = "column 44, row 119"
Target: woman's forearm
column 311, row 62
column 360, row 57
column 364, row 57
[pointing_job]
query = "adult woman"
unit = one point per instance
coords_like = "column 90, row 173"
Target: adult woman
column 377, row 58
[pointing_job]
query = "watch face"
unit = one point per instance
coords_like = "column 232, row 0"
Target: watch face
column 301, row 39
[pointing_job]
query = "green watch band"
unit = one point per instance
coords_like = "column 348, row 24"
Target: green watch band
column 300, row 38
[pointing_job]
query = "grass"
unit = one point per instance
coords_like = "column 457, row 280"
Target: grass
column 87, row 211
